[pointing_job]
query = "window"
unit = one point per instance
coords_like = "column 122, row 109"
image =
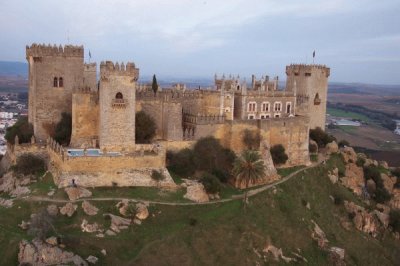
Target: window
column 288, row 107
column 227, row 110
column 264, row 116
column 317, row 100
column 265, row 107
column 238, row 87
column 119, row 96
column 251, row 116
column 277, row 115
column 60, row 82
column 307, row 74
column 277, row 106
column 252, row 107
column 55, row 82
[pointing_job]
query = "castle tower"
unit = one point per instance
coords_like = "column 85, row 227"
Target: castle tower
column 53, row 73
column 90, row 76
column 311, row 83
column 117, row 106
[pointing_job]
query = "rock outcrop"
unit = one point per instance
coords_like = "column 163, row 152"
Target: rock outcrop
column 123, row 207
column 118, row 223
column 319, row 236
column 89, row 209
column 69, row 209
column 90, row 228
column 349, row 155
column 195, row 191
column 38, row 253
column 75, row 193
column 334, row 175
column 332, row 147
column 362, row 219
column 6, row 203
column 354, row 178
column 141, row 211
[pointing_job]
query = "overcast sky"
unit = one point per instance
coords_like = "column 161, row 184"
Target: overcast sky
column 359, row 40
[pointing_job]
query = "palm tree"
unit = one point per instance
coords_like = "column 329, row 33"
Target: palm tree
column 248, row 168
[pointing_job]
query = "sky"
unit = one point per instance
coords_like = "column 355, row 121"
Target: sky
column 358, row 39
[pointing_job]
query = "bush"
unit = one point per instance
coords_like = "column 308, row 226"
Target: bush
column 157, row 175
column 380, row 195
column 41, row 224
column 394, row 220
column 62, row 133
column 360, row 162
column 222, row 175
column 251, row 139
column 29, row 164
column 278, row 154
column 22, row 129
column 320, row 137
column 211, row 183
column 343, row 143
column 396, row 172
column 312, row 148
column 182, row 162
column 145, row 128
column 210, row 155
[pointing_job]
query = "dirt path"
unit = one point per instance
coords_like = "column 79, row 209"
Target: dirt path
column 250, row 193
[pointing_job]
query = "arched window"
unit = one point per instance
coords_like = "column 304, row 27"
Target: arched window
column 60, row 82
column 55, row 83
column 317, row 100
column 119, row 96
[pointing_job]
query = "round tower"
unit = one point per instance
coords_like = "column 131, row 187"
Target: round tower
column 310, row 83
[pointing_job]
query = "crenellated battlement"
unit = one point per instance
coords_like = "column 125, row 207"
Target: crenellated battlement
column 108, row 68
column 90, row 66
column 303, row 68
column 39, row 50
column 84, row 90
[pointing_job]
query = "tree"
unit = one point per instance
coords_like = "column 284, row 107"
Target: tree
column 278, row 154
column 63, row 130
column 248, row 168
column 320, row 137
column 211, row 183
column 182, row 162
column 154, row 85
column 22, row 129
column 145, row 128
column 29, row 164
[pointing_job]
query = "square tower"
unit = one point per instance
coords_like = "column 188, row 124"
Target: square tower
column 117, row 106
column 53, row 73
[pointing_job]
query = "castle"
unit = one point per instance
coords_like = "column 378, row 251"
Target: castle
column 103, row 148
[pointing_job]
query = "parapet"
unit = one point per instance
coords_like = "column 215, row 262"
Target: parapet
column 90, row 67
column 38, row 50
column 108, row 68
column 297, row 68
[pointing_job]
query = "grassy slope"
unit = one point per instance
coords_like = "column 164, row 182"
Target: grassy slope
column 223, row 234
column 341, row 113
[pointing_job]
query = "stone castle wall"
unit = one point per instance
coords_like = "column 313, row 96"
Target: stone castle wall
column 47, row 102
column 90, row 76
column 85, row 118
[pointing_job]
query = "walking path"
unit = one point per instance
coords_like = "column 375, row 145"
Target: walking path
column 250, row 193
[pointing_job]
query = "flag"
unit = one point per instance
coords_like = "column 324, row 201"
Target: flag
column 90, row 55
column 313, row 54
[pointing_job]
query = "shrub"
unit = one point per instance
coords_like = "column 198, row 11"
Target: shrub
column 312, row 148
column 251, row 139
column 157, row 175
column 41, row 224
column 380, row 195
column 320, row 137
column 278, row 154
column 211, row 183
column 209, row 155
column 29, row 164
column 360, row 162
column 222, row 175
column 394, row 220
column 343, row 143
column 396, row 172
column 182, row 162
column 62, row 133
column 145, row 128
column 22, row 128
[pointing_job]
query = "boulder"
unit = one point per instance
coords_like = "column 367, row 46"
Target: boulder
column 52, row 210
column 384, row 164
column 90, row 228
column 362, row 219
column 92, row 259
column 123, row 207
column 89, row 209
column 276, row 253
column 52, row 241
column 334, row 175
column 354, row 178
column 319, row 236
column 395, row 201
column 196, row 192
column 24, row 225
column 118, row 223
column 141, row 211
column 349, row 154
column 39, row 253
column 371, row 186
column 388, row 182
column 20, row 191
column 339, row 251
column 110, row 233
column 332, row 147
column 69, row 209
column 382, row 217
column 6, row 203
column 75, row 193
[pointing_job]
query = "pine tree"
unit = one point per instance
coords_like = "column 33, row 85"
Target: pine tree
column 154, row 85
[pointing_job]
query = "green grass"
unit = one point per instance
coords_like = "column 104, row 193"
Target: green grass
column 345, row 114
column 287, row 171
column 314, row 157
column 223, row 233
